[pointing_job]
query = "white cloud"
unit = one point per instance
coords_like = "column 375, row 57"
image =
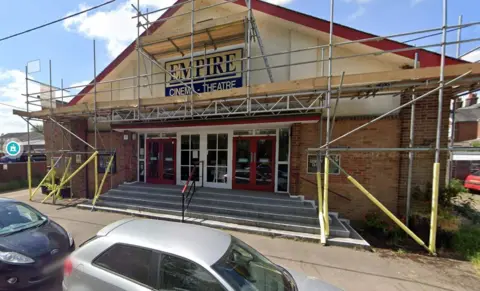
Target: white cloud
column 75, row 91
column 358, row 13
column 279, row 2
column 472, row 57
column 359, row 1
column 115, row 26
column 12, row 85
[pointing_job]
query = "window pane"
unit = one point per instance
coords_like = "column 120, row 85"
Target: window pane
column 266, row 131
column 195, row 141
column 180, row 274
column 282, row 178
column 222, row 158
column 185, row 158
column 242, row 132
column 211, row 174
column 128, row 261
column 223, row 141
column 195, row 157
column 184, row 173
column 212, row 158
column 185, row 141
column 283, row 145
column 142, row 146
column 222, row 175
column 212, row 141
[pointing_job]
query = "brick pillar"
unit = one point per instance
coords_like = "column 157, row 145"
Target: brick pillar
column 425, row 136
column 295, row 155
column 79, row 181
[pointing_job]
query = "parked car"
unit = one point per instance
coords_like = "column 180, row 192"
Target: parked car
column 32, row 247
column 23, row 159
column 472, row 182
column 141, row 254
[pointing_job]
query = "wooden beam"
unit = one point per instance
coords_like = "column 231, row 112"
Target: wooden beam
column 199, row 28
column 311, row 84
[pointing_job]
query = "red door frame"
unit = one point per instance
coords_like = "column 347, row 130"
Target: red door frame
column 161, row 145
column 252, row 185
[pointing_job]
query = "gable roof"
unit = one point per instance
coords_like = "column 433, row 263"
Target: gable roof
column 428, row 58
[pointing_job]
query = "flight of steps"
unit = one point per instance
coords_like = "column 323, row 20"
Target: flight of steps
column 278, row 213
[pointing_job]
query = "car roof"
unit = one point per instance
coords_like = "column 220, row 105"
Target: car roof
column 194, row 242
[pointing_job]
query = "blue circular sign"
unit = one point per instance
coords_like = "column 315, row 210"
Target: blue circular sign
column 13, row 148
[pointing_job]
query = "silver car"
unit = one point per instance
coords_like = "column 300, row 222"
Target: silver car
column 142, row 254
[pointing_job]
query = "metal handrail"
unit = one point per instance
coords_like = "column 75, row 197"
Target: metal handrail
column 190, row 193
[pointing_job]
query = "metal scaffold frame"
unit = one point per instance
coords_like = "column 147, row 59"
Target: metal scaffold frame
column 306, row 96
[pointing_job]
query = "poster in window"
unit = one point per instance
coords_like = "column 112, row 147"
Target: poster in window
column 312, row 164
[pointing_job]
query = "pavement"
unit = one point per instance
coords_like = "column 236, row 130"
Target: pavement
column 346, row 268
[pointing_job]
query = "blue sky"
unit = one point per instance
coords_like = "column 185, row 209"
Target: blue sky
column 69, row 44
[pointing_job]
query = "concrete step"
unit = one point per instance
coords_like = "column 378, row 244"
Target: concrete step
column 222, row 218
column 217, row 210
column 217, row 193
column 201, row 199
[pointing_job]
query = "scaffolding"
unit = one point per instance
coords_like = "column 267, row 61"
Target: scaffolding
column 304, row 96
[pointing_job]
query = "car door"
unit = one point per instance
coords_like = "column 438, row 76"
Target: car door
column 179, row 274
column 124, row 267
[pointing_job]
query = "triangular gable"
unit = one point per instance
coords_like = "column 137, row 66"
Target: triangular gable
column 428, row 58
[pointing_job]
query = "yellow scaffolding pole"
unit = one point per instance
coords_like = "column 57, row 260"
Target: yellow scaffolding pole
column 325, row 196
column 434, row 214
column 29, row 174
column 321, row 218
column 73, row 174
column 99, row 190
column 43, row 180
column 96, row 170
column 63, row 177
column 383, row 208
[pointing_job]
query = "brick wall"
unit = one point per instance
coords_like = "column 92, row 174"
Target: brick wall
column 57, row 139
column 467, row 130
column 425, row 136
column 378, row 172
column 126, row 159
column 18, row 171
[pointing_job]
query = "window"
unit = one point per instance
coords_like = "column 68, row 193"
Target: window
column 180, row 274
column 312, row 164
column 246, row 269
column 283, row 155
column 217, row 158
column 128, row 261
column 104, row 159
column 190, row 155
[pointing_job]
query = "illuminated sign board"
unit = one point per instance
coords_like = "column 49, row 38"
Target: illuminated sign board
column 210, row 73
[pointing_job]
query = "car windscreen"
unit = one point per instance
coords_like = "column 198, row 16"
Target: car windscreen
column 246, row 269
column 15, row 217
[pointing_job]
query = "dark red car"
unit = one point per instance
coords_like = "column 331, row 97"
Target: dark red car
column 472, row 181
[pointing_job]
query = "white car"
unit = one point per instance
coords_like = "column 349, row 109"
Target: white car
column 141, row 254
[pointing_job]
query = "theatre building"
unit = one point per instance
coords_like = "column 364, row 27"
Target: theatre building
column 244, row 115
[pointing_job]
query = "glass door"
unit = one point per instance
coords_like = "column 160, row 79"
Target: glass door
column 216, row 166
column 161, row 161
column 254, row 163
column 153, row 161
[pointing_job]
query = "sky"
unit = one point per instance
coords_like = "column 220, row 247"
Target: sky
column 69, row 44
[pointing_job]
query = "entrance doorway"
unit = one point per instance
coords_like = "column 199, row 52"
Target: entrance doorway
column 161, row 161
column 254, row 163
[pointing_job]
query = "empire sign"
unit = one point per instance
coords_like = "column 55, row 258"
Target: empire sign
column 210, row 73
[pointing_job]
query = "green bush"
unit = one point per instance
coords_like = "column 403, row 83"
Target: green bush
column 467, row 243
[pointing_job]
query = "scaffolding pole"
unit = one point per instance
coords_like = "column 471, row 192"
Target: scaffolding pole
column 138, row 60
column 436, row 165
column 192, row 64
column 249, row 53
column 29, row 161
column 411, row 143
column 327, row 130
